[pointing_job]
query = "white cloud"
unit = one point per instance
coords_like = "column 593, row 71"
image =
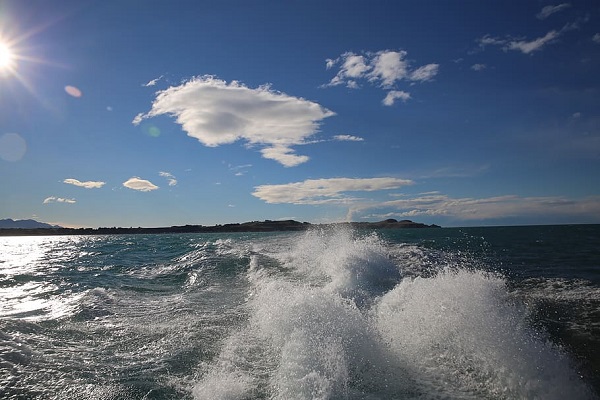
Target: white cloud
column 216, row 112
column 478, row 67
column 283, row 155
column 527, row 47
column 393, row 95
column 323, row 191
column 86, row 184
column 387, row 67
column 384, row 68
column 141, row 185
column 172, row 180
column 549, row 10
column 348, row 138
column 596, row 38
column 53, row 199
column 354, row 65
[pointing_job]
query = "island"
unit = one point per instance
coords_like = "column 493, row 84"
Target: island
column 254, row 226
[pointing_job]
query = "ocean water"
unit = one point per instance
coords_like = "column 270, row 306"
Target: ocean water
column 450, row 313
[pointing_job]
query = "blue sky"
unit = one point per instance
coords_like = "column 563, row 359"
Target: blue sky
column 158, row 113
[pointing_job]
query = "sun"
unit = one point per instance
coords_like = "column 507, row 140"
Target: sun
column 7, row 56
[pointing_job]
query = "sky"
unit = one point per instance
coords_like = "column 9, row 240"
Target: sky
column 157, row 113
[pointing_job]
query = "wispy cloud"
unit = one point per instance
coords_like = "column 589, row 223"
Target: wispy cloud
column 216, row 112
column 596, row 38
column 86, row 184
column 324, row 191
column 456, row 171
column 153, row 82
column 526, row 47
column 348, row 138
column 522, row 45
column 488, row 40
column 172, row 180
column 384, row 69
column 425, row 73
column 53, row 199
column 478, row 67
column 240, row 170
column 141, row 185
column 549, row 10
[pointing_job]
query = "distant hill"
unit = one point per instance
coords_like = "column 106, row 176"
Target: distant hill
column 24, row 224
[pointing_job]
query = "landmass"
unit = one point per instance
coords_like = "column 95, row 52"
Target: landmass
column 254, row 226
column 24, row 224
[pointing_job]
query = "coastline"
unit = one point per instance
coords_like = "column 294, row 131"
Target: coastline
column 253, row 226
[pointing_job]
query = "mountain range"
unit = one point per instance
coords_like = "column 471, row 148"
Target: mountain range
column 24, row 224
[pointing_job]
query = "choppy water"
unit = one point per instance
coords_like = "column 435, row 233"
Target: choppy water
column 477, row 313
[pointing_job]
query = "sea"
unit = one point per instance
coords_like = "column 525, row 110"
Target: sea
column 329, row 313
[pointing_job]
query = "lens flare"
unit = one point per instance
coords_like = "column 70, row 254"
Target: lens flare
column 73, row 91
column 12, row 147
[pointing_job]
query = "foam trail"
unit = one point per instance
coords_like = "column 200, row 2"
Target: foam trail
column 335, row 320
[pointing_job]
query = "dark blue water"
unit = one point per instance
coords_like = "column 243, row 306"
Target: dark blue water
column 452, row 313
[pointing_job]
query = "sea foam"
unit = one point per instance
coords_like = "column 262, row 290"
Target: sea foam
column 336, row 320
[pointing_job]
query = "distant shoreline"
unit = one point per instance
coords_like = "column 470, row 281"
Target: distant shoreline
column 254, row 226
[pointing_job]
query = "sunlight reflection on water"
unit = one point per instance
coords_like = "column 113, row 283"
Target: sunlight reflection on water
column 27, row 265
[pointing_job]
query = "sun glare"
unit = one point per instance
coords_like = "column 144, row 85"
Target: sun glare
column 7, row 56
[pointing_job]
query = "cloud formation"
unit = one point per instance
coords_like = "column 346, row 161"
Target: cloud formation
column 348, row 138
column 478, row 67
column 86, row 184
column 384, row 69
column 596, row 38
column 172, row 180
column 549, row 10
column 346, row 192
column 393, row 95
column 141, row 185
column 53, row 199
column 324, row 191
column 216, row 112
column 466, row 209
